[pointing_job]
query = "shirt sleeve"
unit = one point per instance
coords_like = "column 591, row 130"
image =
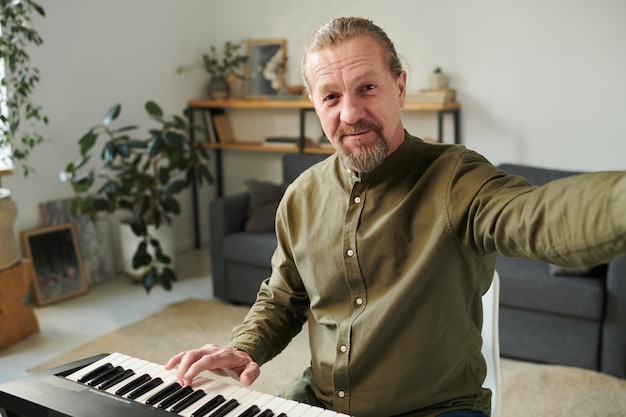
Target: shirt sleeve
column 575, row 221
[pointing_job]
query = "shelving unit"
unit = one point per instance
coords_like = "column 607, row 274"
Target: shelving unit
column 204, row 111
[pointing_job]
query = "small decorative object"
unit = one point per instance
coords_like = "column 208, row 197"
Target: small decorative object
column 223, row 66
column 265, row 68
column 437, row 79
column 57, row 265
column 142, row 177
column 8, row 244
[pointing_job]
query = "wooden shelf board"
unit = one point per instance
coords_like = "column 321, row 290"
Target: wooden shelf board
column 302, row 104
column 260, row 147
column 251, row 104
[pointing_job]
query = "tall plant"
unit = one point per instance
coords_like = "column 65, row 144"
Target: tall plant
column 18, row 114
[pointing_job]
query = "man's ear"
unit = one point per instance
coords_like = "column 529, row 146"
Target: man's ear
column 402, row 87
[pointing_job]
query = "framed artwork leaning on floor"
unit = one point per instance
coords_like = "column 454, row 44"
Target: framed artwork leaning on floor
column 58, row 270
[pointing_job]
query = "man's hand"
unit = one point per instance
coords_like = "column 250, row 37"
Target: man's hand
column 221, row 361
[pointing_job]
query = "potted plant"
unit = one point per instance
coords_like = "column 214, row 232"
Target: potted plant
column 18, row 114
column 438, row 79
column 224, row 66
column 142, row 177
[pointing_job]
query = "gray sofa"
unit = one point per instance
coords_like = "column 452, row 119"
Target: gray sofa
column 545, row 316
column 241, row 258
column 567, row 317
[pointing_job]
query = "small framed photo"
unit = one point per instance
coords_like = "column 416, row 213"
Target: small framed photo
column 264, row 73
column 57, row 265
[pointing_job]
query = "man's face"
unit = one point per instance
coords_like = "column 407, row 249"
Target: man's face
column 358, row 101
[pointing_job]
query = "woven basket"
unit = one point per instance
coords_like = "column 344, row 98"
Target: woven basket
column 8, row 244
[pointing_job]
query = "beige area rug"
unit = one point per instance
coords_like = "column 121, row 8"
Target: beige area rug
column 527, row 389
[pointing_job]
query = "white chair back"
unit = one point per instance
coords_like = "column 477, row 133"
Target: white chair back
column 491, row 342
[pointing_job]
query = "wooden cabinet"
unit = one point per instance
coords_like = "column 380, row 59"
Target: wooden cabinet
column 17, row 321
column 203, row 113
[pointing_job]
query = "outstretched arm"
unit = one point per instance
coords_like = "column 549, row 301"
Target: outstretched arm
column 222, row 361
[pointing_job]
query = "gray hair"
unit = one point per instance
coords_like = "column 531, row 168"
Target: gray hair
column 343, row 29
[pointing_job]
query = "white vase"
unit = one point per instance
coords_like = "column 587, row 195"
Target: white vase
column 129, row 243
column 9, row 255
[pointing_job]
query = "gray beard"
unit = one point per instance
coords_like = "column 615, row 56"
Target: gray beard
column 364, row 159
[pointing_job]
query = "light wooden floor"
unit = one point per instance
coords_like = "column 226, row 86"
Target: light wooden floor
column 106, row 307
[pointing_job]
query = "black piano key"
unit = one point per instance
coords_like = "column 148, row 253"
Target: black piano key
column 188, row 401
column 250, row 411
column 99, row 370
column 133, row 384
column 175, row 397
column 164, row 393
column 266, row 413
column 211, row 405
column 106, row 376
column 225, row 409
column 117, row 379
column 283, row 415
column 150, row 385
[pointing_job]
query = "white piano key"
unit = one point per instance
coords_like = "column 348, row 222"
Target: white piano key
column 285, row 407
column 299, row 410
column 245, row 401
column 221, row 388
column 314, row 412
column 139, row 369
column 113, row 359
column 167, row 378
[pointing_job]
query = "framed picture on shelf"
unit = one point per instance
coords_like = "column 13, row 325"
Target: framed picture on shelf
column 264, row 73
column 58, row 269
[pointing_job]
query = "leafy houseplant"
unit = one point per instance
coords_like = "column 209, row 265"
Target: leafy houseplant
column 18, row 114
column 142, row 177
column 224, row 66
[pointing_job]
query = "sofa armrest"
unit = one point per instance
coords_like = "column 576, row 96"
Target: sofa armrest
column 226, row 215
column 614, row 330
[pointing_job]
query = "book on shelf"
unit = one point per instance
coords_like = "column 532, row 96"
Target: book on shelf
column 282, row 141
column 433, row 95
column 223, row 128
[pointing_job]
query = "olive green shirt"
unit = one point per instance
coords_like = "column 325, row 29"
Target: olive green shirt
column 389, row 269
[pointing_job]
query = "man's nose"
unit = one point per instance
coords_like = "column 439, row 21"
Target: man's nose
column 352, row 110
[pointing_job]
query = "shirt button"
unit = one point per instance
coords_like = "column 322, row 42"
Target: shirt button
column 357, row 200
column 341, row 394
column 350, row 252
column 359, row 301
column 343, row 348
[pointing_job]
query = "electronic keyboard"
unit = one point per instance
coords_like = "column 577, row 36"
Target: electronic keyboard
column 115, row 384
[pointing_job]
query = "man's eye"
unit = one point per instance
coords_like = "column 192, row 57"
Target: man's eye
column 330, row 97
column 369, row 87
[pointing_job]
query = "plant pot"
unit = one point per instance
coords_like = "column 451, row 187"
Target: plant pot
column 9, row 255
column 219, row 88
column 437, row 80
column 129, row 243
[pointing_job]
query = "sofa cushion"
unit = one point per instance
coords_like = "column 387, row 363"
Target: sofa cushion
column 527, row 284
column 264, row 199
column 250, row 248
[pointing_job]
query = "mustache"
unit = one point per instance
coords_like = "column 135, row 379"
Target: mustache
column 360, row 126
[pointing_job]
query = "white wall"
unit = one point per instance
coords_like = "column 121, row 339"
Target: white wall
column 540, row 82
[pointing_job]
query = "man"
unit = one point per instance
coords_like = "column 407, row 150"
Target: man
column 387, row 247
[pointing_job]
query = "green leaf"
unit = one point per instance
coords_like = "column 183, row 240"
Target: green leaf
column 149, row 278
column 87, row 141
column 112, row 114
column 153, row 109
column 176, row 187
column 171, row 205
